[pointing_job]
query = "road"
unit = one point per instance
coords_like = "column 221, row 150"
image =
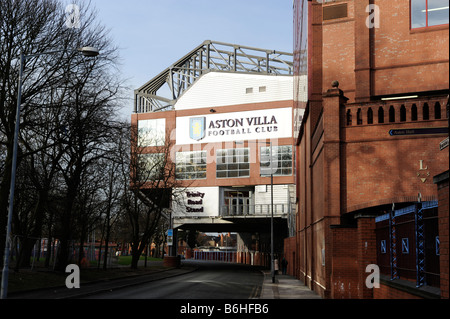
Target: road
column 212, row 280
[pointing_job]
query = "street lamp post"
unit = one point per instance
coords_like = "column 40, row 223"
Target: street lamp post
column 87, row 52
column 272, row 260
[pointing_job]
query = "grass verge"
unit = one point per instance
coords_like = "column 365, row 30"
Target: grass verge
column 39, row 277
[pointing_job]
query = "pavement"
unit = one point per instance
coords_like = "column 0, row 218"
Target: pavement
column 285, row 286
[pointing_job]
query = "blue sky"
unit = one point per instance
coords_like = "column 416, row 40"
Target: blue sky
column 153, row 34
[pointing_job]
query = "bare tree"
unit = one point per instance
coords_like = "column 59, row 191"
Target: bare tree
column 112, row 189
column 149, row 190
column 68, row 109
column 24, row 28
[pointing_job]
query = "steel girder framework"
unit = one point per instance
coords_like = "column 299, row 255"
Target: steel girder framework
column 209, row 56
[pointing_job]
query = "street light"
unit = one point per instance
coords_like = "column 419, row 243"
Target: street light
column 87, row 52
column 272, row 261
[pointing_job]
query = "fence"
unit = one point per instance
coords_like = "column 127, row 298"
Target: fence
column 408, row 244
column 254, row 210
column 225, row 256
column 42, row 248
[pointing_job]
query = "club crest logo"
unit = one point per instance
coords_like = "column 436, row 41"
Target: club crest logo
column 197, row 128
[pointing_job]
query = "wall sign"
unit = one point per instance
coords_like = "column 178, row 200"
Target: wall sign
column 423, row 172
column 383, row 246
column 419, row 131
column 405, row 245
column 248, row 125
column 196, row 202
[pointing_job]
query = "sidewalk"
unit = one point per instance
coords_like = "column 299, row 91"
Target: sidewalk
column 285, row 287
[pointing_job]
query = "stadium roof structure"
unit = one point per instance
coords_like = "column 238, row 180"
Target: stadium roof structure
column 207, row 57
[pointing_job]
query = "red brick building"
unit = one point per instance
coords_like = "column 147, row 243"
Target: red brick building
column 373, row 80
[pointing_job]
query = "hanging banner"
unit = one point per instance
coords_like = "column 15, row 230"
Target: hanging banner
column 170, row 237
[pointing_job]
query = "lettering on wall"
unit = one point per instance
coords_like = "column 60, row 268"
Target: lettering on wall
column 194, row 202
column 423, row 172
column 246, row 125
column 262, row 124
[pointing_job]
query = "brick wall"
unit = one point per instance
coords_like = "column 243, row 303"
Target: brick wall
column 387, row 292
column 353, row 248
column 378, row 61
column 356, row 167
column 400, row 51
column 382, row 169
column 290, row 253
column 344, row 264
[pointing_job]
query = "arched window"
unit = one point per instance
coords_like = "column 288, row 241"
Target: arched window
column 426, row 112
column 358, row 117
column 349, row 118
column 402, row 113
column 413, row 112
column 380, row 115
column 369, row 116
column 391, row 114
column 437, row 111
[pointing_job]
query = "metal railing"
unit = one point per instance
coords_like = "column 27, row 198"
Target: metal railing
column 254, row 210
column 209, row 56
column 225, row 256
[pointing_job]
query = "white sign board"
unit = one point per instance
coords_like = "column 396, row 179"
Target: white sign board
column 197, row 202
column 444, row 144
column 237, row 126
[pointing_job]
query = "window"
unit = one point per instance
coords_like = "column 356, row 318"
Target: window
column 349, row 118
column 151, row 167
column 151, row 132
column 427, row 13
column 335, row 12
column 282, row 160
column 359, row 117
column 426, row 112
column 414, row 113
column 402, row 113
column 391, row 114
column 369, row 116
column 190, row 165
column 380, row 115
column 233, row 162
column 437, row 111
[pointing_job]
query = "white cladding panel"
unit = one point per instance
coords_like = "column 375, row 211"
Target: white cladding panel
column 281, row 194
column 216, row 89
